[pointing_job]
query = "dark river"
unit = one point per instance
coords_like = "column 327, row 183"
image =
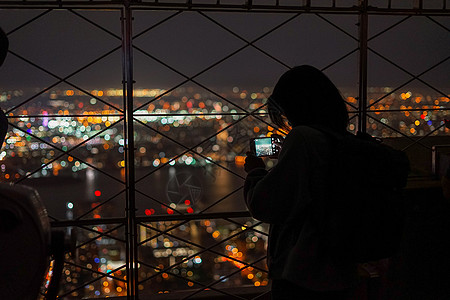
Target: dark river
column 185, row 189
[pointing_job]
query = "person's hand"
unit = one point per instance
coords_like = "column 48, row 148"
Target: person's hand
column 252, row 162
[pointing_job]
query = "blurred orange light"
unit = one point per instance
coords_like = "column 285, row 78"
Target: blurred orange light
column 353, row 100
column 239, row 160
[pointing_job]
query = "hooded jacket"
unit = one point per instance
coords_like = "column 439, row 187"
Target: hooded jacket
column 289, row 197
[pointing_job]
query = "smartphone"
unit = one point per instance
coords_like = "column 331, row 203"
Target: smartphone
column 266, row 146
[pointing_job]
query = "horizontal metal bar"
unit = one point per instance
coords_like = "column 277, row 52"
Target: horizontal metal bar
column 156, row 218
column 201, row 114
column 286, row 9
column 244, row 7
column 138, row 115
column 191, row 149
column 406, row 110
column 63, row 116
column 103, row 221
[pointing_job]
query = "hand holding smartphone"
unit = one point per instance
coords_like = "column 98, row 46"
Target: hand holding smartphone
column 266, row 146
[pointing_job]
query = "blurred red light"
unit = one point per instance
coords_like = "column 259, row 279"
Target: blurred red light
column 149, row 212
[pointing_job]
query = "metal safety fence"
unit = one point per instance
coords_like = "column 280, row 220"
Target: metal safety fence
column 132, row 119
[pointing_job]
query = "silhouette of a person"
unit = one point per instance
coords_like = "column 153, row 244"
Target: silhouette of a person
column 303, row 100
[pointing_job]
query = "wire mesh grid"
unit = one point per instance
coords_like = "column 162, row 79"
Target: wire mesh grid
column 168, row 226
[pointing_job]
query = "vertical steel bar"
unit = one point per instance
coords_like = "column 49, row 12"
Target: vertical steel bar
column 124, row 89
column 363, row 36
column 131, row 238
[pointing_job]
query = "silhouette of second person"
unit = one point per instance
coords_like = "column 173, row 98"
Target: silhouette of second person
column 303, row 100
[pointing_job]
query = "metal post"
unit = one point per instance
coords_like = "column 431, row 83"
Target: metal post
column 363, row 35
column 131, row 230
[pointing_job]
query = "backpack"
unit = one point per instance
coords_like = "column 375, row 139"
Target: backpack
column 363, row 216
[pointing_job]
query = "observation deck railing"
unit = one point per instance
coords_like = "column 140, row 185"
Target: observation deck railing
column 125, row 225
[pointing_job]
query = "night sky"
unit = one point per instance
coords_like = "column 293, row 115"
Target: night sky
column 62, row 42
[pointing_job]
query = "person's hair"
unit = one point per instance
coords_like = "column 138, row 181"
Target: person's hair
column 304, row 95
